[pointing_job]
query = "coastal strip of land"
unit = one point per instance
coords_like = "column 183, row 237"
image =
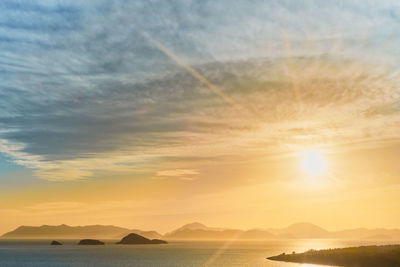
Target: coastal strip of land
column 366, row 256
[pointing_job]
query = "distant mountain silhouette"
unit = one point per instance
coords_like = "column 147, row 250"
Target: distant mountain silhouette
column 301, row 230
column 298, row 230
column 363, row 233
column 196, row 230
column 201, row 231
column 193, row 227
column 65, row 231
column 309, row 230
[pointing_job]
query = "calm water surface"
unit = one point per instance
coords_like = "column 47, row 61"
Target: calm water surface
column 39, row 253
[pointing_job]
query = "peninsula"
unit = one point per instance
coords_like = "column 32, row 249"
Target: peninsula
column 366, row 256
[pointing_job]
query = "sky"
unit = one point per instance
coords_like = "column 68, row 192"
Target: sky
column 151, row 114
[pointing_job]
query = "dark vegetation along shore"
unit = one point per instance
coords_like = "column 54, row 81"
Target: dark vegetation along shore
column 364, row 256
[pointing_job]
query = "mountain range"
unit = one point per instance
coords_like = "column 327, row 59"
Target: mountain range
column 72, row 232
column 295, row 231
column 198, row 231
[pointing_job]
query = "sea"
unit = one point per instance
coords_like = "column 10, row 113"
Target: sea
column 39, row 253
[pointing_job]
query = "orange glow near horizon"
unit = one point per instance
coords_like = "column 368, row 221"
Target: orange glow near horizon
column 256, row 135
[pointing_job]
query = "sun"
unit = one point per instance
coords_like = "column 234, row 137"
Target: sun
column 313, row 162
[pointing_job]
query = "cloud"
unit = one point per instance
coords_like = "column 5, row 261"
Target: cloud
column 56, row 206
column 84, row 92
column 182, row 173
column 184, row 117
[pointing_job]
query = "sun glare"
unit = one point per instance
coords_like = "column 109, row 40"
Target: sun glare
column 313, row 162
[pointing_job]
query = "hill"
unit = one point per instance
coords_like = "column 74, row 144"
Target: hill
column 301, row 230
column 295, row 231
column 363, row 233
column 196, row 230
column 135, row 239
column 200, row 231
column 66, row 231
column 366, row 256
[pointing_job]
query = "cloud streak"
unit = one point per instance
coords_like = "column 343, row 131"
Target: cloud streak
column 84, row 92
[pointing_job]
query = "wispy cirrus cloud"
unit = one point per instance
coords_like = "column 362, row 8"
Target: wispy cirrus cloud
column 177, row 172
column 83, row 91
column 183, row 174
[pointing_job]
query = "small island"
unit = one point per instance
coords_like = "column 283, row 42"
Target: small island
column 135, row 239
column 366, row 256
column 55, row 243
column 90, row 242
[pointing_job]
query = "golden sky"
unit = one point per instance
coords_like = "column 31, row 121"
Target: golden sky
column 113, row 114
